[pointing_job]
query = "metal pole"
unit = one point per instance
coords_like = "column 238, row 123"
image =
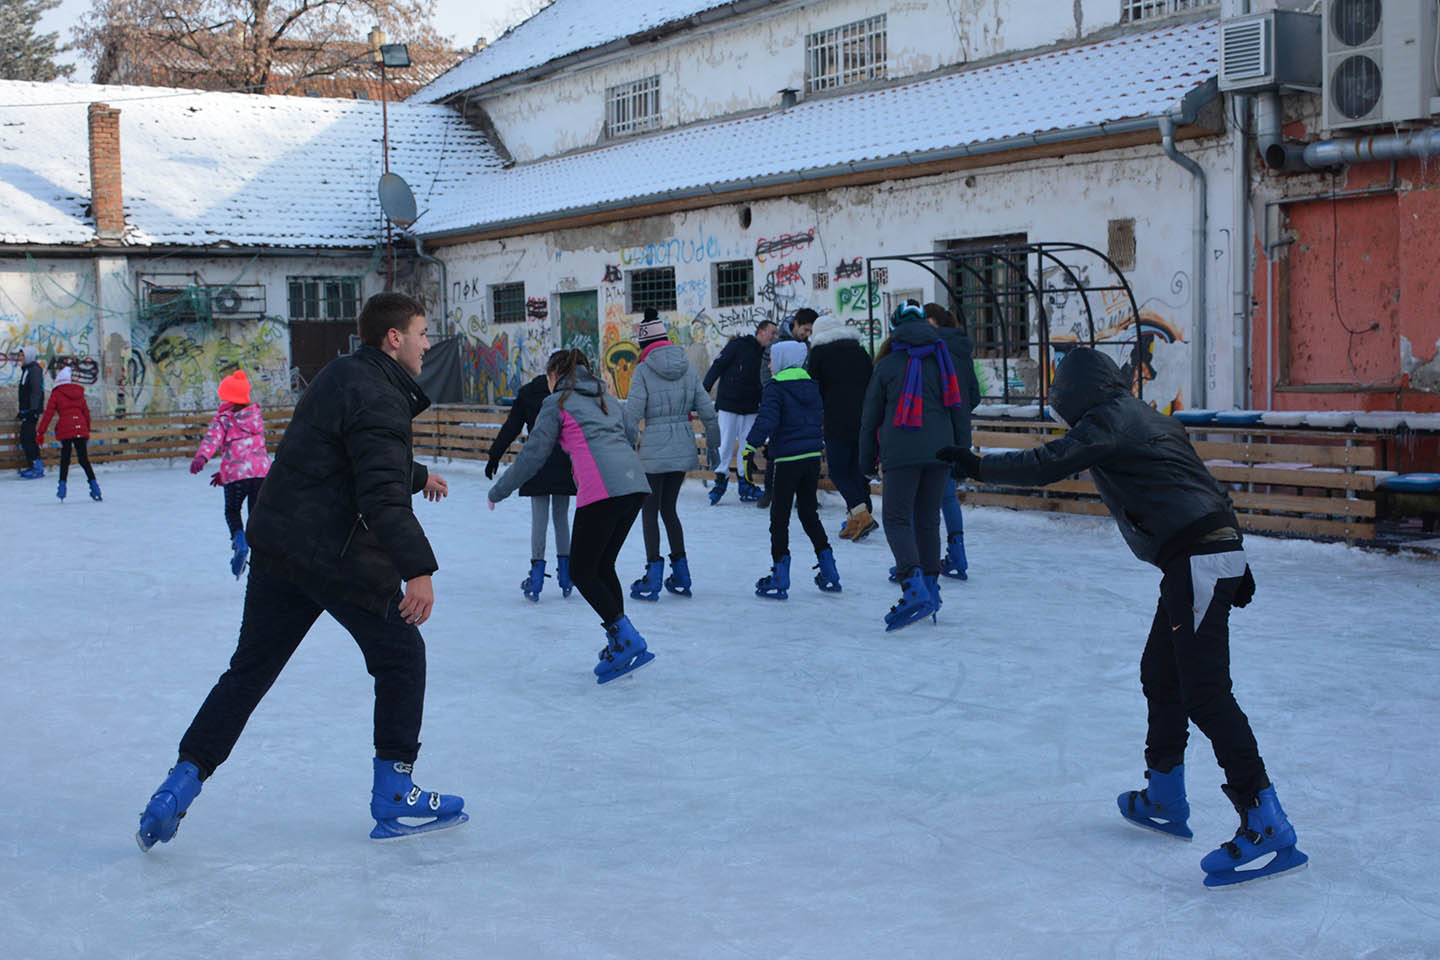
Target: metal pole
column 385, row 141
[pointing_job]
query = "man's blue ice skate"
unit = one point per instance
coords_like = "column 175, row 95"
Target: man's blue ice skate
column 1264, row 829
column 679, row 580
column 60, row 491
column 828, row 579
column 562, row 576
column 395, row 799
column 242, row 550
column 535, row 582
column 932, row 583
column 648, row 586
column 625, row 651
column 954, row 564
column 167, row 805
column 915, row 604
column 777, row 585
column 717, row 489
column 35, row 471
column 749, row 493
column 1161, row 806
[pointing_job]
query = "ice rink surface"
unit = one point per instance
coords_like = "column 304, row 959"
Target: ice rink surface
column 785, row 780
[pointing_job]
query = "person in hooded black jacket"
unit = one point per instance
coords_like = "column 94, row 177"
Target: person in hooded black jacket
column 549, row 490
column 333, row 531
column 737, row 399
column 1175, row 515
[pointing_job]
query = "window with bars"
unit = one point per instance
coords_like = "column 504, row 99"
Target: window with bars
column 632, row 107
column 734, row 283
column 324, row 299
column 844, row 55
column 1134, row 10
column 651, row 288
column 988, row 278
column 507, row 302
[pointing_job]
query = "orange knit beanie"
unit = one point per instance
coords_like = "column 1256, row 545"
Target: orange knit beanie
column 235, row 389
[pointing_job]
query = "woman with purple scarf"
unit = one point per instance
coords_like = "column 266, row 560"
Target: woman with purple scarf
column 913, row 407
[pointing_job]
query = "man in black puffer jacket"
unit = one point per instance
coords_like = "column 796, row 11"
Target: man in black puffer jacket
column 737, row 370
column 333, row 532
column 1173, row 514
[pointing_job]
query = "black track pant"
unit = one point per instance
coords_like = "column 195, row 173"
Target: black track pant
column 237, row 492
column 278, row 614
column 27, row 440
column 795, row 482
column 911, row 513
column 78, row 445
column 664, row 490
column 598, row 533
column 1185, row 673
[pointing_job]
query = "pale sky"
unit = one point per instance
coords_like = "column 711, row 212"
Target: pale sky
column 461, row 20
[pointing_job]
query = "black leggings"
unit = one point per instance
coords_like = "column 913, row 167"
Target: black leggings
column 912, row 516
column 236, row 492
column 795, row 481
column 79, row 444
column 598, row 533
column 664, row 489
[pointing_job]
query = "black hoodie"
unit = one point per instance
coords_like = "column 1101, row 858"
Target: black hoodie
column 1141, row 461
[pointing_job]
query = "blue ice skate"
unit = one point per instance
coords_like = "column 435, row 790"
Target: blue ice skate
column 894, row 575
column 717, row 490
column 648, row 586
column 624, row 652
column 954, row 565
column 749, row 493
column 777, row 585
column 679, row 580
column 168, row 805
column 828, row 579
column 1264, row 829
column 1161, row 806
column 242, row 550
column 562, row 576
column 35, row 471
column 60, row 491
column 395, row 796
column 932, row 583
column 535, row 582
column 915, row 603
column 95, row 491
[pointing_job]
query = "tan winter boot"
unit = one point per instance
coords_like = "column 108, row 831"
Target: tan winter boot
column 860, row 523
column 846, row 530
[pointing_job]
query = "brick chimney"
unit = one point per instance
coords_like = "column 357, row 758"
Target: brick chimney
column 106, row 198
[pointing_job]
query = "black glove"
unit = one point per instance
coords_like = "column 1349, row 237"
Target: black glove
column 1245, row 592
column 963, row 463
column 490, row 467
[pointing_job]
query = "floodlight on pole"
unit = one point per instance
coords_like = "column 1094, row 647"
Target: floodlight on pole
column 391, row 55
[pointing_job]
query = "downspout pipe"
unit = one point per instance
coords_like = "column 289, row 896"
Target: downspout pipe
column 1395, row 146
column 444, row 280
column 1269, row 119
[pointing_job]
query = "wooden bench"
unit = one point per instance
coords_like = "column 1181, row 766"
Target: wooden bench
column 137, row 436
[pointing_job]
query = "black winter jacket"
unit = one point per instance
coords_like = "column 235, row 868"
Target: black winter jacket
column 883, row 443
column 32, row 390
column 556, row 475
column 841, row 368
column 334, row 512
column 1141, row 461
column 738, row 370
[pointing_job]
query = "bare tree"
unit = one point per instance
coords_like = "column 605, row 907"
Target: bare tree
column 260, row 46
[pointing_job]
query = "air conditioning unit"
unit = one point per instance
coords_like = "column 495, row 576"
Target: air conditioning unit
column 1276, row 50
column 1379, row 62
column 237, row 300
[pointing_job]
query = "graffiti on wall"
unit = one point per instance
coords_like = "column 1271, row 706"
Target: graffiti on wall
column 784, row 246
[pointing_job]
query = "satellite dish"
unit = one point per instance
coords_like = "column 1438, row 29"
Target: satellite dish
column 396, row 199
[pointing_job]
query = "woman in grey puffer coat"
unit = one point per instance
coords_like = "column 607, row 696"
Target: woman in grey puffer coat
column 664, row 392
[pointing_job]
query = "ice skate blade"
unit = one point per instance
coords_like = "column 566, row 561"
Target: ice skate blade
column 772, row 594
column 1286, row 860
column 1179, row 831
column 900, row 624
column 829, row 587
column 646, row 596
column 630, row 667
column 678, row 591
column 392, row 829
column 140, row 841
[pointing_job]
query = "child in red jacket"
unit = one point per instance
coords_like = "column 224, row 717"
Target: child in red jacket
column 72, row 428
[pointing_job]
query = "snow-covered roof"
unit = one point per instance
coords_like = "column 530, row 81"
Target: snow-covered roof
column 1127, row 78
column 213, row 168
column 563, row 28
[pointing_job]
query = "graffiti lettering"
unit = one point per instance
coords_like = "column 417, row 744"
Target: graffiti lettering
column 612, row 273
column 788, row 273
column 852, row 299
column 849, row 268
column 537, row 308
column 778, row 247
column 463, row 291
column 695, row 250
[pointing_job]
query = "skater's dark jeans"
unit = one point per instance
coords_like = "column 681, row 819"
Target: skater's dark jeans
column 796, row 482
column 27, row 438
column 911, row 515
column 842, row 459
column 1185, row 673
column 78, row 444
column 664, row 490
column 599, row 532
column 237, row 492
column 278, row 614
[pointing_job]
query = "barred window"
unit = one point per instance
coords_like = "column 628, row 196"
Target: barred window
column 988, row 277
column 844, row 55
column 632, row 107
column 734, row 283
column 507, row 302
column 1133, row 10
column 651, row 288
column 325, row 299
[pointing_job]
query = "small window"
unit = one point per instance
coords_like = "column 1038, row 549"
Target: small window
column 652, row 288
column 1133, row 10
column 852, row 53
column 988, row 277
column 632, row 107
column 324, row 299
column 507, row 302
column 1120, row 247
column 734, row 283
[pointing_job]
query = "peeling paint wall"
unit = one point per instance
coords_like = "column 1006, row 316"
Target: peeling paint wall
column 741, row 65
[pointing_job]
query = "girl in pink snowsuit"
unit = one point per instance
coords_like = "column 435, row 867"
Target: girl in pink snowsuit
column 237, row 433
